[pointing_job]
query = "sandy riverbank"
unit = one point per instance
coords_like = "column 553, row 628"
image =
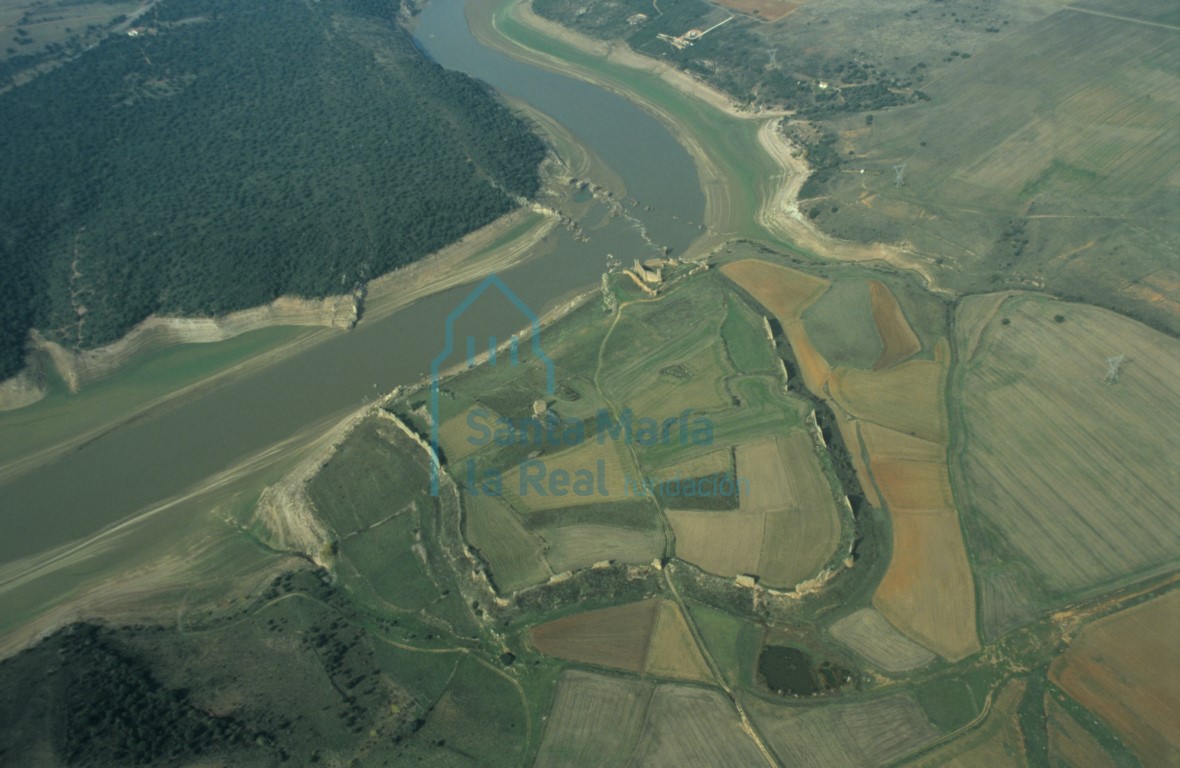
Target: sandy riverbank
column 778, row 212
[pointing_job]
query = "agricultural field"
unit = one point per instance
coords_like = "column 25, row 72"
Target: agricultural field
column 871, row 635
column 871, row 732
column 891, row 397
column 1044, row 159
column 731, row 642
column 648, row 725
column 374, row 496
column 694, row 726
column 579, row 545
column 787, row 525
column 1052, row 453
column 1070, row 744
column 587, row 706
column 1125, row 669
column 514, row 554
column 785, row 292
column 746, row 341
column 649, row 637
column 998, row 742
column 898, row 340
column 928, row 591
column 842, row 325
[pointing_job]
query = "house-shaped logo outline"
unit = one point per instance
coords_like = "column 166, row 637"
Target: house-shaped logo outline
column 492, row 280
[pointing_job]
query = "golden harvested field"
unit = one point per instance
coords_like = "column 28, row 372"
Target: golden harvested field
column 851, row 431
column 1072, row 745
column 785, row 292
column 787, row 526
column 513, row 553
column 885, row 442
column 907, row 397
column 690, row 726
column 812, row 365
column 872, row 732
column 588, row 705
column 1125, row 669
column 897, row 336
column 615, row 637
column 913, row 486
column 455, row 433
column 1079, row 476
column 608, row 460
column 673, row 652
column 928, row 591
column 868, row 633
column 579, row 545
column 998, row 743
column 723, row 543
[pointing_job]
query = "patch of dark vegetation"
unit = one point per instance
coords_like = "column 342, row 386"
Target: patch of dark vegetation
column 285, row 149
column 794, row 672
column 84, row 699
column 718, row 492
column 732, row 58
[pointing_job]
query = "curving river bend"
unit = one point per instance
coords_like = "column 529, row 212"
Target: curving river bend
column 159, row 455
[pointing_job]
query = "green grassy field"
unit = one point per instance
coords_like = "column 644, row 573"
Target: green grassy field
column 840, row 325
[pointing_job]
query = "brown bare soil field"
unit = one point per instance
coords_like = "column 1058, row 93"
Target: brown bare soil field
column 907, row 397
column 873, row 732
column 787, row 526
column 913, row 486
column 764, row 10
column 690, row 726
column 897, row 336
column 928, row 591
column 1071, row 744
column 615, row 637
column 588, row 705
column 785, row 292
column 1125, row 669
column 673, row 652
column 868, row 633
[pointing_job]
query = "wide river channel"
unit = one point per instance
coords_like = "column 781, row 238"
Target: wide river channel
column 158, row 456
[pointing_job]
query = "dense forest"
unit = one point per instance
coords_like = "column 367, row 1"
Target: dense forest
column 229, row 153
column 83, row 699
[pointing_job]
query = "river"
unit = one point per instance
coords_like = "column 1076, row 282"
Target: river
column 173, row 448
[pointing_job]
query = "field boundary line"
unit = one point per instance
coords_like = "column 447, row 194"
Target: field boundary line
column 1131, row 19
